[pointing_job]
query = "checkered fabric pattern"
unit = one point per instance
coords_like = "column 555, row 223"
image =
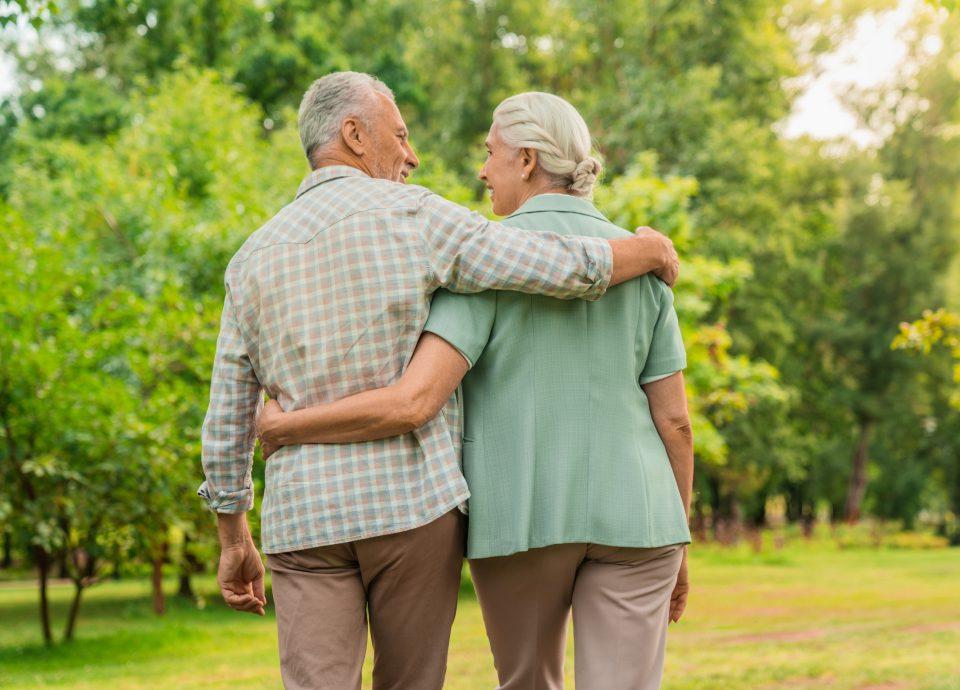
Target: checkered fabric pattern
column 328, row 299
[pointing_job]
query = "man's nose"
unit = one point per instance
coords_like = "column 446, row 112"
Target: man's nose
column 412, row 159
column 482, row 175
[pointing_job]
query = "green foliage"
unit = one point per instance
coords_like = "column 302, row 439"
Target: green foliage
column 134, row 164
column 936, row 329
column 32, row 10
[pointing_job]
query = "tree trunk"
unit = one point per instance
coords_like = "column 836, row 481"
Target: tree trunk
column 858, row 477
column 714, row 505
column 757, row 515
column 7, row 551
column 698, row 523
column 74, row 610
column 185, row 588
column 809, row 520
column 43, row 576
column 188, row 566
column 156, row 580
column 63, row 570
column 794, row 503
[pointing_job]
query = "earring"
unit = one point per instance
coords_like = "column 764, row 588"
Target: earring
column 523, row 176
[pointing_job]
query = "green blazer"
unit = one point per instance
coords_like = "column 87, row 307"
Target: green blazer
column 559, row 445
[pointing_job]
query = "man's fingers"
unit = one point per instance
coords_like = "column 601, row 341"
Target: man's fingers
column 235, row 600
column 669, row 269
column 246, row 603
column 669, row 274
column 258, row 591
column 253, row 607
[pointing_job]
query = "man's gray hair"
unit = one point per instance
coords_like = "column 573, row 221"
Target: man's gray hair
column 332, row 99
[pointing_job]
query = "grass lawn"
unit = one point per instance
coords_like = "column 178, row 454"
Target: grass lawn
column 808, row 616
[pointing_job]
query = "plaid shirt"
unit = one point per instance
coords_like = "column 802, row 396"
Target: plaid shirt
column 328, row 299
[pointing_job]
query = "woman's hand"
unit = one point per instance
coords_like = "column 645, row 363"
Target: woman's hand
column 268, row 420
column 678, row 599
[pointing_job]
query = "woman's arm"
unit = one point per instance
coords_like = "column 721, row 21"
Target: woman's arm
column 668, row 407
column 429, row 381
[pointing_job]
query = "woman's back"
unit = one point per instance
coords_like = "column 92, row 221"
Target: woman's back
column 559, row 445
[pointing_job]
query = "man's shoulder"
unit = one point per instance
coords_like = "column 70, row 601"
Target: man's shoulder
column 319, row 209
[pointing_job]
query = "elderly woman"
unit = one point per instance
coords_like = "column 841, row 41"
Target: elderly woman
column 577, row 445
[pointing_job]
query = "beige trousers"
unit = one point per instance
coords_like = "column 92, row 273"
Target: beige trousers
column 620, row 599
column 406, row 584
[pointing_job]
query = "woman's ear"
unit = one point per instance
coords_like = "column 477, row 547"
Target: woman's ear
column 528, row 162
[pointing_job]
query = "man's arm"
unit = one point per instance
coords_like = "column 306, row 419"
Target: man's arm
column 227, row 455
column 468, row 253
column 228, row 428
column 668, row 407
column 433, row 374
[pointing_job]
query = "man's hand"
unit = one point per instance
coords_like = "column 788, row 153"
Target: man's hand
column 646, row 251
column 240, row 577
column 268, row 415
column 678, row 599
column 661, row 247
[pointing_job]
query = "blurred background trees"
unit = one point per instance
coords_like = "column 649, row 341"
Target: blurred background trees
column 147, row 139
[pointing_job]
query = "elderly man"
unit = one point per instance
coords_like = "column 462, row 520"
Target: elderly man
column 327, row 299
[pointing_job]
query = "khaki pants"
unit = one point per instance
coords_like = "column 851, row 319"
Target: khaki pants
column 620, row 599
column 405, row 583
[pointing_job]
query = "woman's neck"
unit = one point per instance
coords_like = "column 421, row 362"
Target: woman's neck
column 537, row 190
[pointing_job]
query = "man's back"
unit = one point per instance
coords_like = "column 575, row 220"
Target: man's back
column 328, row 299
column 330, row 296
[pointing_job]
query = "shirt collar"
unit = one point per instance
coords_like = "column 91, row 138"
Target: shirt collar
column 562, row 203
column 325, row 174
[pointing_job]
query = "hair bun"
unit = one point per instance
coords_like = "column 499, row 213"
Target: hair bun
column 585, row 174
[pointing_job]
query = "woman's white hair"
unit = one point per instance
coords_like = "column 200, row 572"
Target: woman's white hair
column 330, row 100
column 554, row 128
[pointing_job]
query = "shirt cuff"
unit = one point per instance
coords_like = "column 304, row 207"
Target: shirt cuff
column 600, row 266
column 239, row 501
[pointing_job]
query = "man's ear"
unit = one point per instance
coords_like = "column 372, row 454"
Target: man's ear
column 353, row 136
column 528, row 161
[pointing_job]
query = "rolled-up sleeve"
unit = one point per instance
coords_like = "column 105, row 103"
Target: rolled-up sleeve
column 469, row 253
column 229, row 431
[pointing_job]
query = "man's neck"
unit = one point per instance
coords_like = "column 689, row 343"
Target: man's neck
column 340, row 158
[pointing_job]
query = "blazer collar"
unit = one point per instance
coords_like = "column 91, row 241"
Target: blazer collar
column 559, row 203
